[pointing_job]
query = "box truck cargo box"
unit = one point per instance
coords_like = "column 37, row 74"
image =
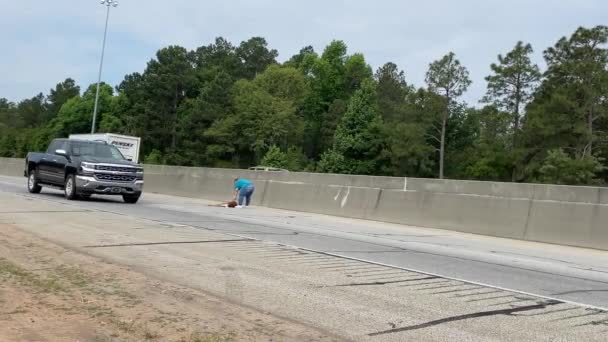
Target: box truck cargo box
column 128, row 146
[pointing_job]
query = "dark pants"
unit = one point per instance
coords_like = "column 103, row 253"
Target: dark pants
column 245, row 194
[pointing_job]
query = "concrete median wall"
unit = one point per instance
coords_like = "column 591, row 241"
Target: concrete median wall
column 501, row 217
column 12, row 167
column 354, row 202
column 566, row 215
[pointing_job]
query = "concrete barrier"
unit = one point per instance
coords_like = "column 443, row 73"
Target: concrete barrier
column 12, row 167
column 604, row 196
column 563, row 193
column 564, row 223
column 510, row 190
column 495, row 216
column 347, row 201
column 599, row 228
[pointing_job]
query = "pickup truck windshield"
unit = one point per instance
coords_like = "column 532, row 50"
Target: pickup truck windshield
column 80, row 149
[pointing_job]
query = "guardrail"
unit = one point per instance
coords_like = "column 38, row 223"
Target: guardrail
column 567, row 215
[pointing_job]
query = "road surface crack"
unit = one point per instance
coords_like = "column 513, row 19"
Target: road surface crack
column 508, row 312
column 165, row 243
column 383, row 282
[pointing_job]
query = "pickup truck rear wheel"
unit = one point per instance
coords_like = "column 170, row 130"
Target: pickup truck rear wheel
column 132, row 199
column 32, row 182
column 70, row 188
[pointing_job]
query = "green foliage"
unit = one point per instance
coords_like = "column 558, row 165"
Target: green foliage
column 296, row 159
column 60, row 95
column 275, row 158
column 447, row 78
column 292, row 160
column 76, row 116
column 259, row 121
column 333, row 77
column 360, row 136
column 232, row 105
column 513, row 81
column 286, row 83
column 392, row 92
column 155, row 158
column 490, row 157
column 333, row 162
column 569, row 110
column 411, row 154
column 559, row 168
column 255, row 56
column 298, row 61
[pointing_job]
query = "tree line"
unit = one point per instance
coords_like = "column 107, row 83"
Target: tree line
column 225, row 105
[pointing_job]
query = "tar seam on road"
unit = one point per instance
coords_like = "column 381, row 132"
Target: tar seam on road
column 459, row 290
column 44, row 211
column 163, row 243
column 478, row 293
column 601, row 322
column 593, row 313
column 489, row 298
column 381, row 282
column 444, row 286
column 577, row 291
column 470, row 316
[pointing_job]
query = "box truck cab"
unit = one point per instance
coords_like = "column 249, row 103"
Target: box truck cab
column 128, row 146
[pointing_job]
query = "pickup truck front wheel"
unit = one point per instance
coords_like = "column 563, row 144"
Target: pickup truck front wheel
column 70, row 188
column 32, row 182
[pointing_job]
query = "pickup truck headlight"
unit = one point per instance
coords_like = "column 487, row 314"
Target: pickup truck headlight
column 140, row 173
column 87, row 168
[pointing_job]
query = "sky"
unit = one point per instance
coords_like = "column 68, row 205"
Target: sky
column 44, row 42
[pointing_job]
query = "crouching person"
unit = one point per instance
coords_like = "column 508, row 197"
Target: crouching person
column 243, row 189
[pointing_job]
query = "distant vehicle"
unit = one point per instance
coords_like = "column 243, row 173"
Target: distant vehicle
column 82, row 168
column 128, row 146
column 267, row 168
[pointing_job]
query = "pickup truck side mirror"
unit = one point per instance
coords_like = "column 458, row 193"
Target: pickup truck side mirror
column 63, row 153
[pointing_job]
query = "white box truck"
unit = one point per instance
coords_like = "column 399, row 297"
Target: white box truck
column 128, row 146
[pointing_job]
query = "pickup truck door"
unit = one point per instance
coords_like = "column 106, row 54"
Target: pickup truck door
column 50, row 163
column 44, row 168
column 45, row 162
column 57, row 169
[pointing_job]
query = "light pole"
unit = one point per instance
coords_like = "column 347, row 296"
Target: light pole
column 108, row 4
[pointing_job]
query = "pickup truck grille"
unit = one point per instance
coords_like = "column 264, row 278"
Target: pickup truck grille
column 114, row 178
column 115, row 168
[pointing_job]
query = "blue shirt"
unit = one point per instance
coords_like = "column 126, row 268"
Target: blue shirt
column 242, row 183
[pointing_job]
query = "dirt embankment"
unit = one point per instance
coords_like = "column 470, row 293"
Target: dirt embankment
column 49, row 293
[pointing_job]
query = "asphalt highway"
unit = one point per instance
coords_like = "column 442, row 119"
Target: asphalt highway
column 373, row 257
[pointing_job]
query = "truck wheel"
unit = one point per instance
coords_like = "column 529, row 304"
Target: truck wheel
column 32, row 182
column 70, row 188
column 131, row 199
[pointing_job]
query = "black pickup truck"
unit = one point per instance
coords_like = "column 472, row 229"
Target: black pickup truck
column 83, row 168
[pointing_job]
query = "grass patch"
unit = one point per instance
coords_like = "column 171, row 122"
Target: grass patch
column 200, row 337
column 9, row 270
column 124, row 326
column 73, row 275
column 149, row 334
